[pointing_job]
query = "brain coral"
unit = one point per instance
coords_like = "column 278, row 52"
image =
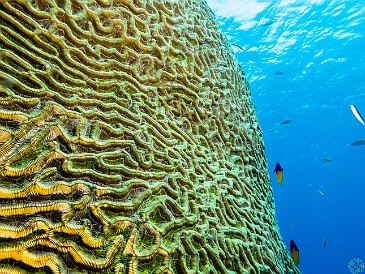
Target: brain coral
column 129, row 143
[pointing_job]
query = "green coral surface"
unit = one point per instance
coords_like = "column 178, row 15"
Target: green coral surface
column 129, row 143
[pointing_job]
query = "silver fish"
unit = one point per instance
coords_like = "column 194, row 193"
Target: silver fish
column 320, row 191
column 357, row 114
column 265, row 22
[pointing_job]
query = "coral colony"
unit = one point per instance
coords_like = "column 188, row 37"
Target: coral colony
column 129, row 143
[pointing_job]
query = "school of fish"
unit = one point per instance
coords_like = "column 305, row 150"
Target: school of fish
column 294, row 250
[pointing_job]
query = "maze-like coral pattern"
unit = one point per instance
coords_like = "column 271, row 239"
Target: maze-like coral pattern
column 129, row 143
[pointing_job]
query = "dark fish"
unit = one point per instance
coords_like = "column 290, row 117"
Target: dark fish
column 279, row 73
column 326, row 160
column 279, row 173
column 286, row 122
column 324, row 243
column 294, row 252
column 358, row 143
column 237, row 46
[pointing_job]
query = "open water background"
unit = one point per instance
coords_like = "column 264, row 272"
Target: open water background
column 318, row 48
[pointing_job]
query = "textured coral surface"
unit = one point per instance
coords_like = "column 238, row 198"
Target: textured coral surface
column 129, row 143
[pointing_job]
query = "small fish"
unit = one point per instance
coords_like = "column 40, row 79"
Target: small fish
column 320, row 191
column 358, row 143
column 357, row 114
column 273, row 130
column 294, row 252
column 286, row 122
column 324, row 243
column 237, row 46
column 266, row 22
column 326, row 160
column 279, row 73
column 279, row 173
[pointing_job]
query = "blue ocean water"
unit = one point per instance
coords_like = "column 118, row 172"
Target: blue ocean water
column 305, row 62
